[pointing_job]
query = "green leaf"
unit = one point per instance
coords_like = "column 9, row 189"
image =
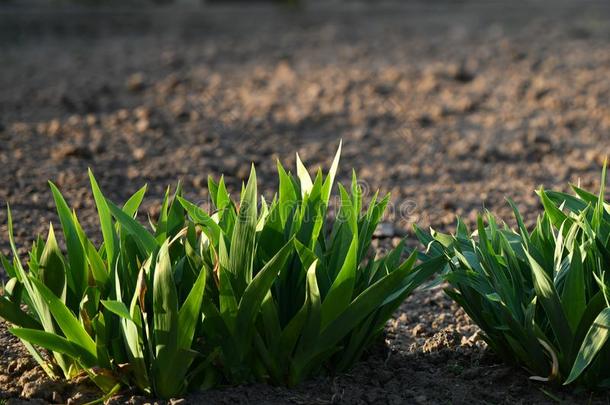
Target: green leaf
column 572, row 203
column 38, row 303
column 304, row 178
column 287, row 194
column 11, row 312
column 56, row 343
column 66, row 320
column 132, row 205
column 19, row 271
column 213, row 190
column 51, row 267
column 105, row 219
column 557, row 217
column 313, row 322
column 250, row 303
column 242, row 240
column 189, row 315
column 340, row 294
column 596, row 338
column 117, row 308
column 220, row 196
column 546, row 293
column 306, row 256
column 78, row 275
column 598, row 213
column 142, row 237
column 519, row 218
column 226, row 298
column 574, row 292
column 330, row 178
column 271, row 320
column 369, row 300
column 38, row 357
column 201, row 218
column 98, row 268
column 165, row 302
column 8, row 268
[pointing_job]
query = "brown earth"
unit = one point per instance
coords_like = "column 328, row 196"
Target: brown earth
column 452, row 107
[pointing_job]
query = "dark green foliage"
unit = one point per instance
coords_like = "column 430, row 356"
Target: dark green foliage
column 541, row 297
column 252, row 291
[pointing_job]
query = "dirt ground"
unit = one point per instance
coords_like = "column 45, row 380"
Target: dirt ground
column 451, row 106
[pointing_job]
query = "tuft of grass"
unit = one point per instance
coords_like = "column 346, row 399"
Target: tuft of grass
column 541, row 296
column 250, row 291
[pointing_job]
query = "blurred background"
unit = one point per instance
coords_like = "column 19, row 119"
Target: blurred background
column 450, row 105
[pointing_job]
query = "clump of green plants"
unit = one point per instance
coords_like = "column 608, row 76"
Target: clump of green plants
column 540, row 296
column 123, row 313
column 296, row 293
column 250, row 291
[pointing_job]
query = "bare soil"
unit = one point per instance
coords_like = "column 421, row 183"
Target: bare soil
column 451, row 106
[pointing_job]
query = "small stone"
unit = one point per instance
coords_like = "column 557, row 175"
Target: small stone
column 74, row 120
column 56, row 398
column 12, row 366
column 136, row 82
column 91, row 119
column 284, row 73
column 418, row 330
column 54, row 127
column 28, row 390
column 36, row 389
column 441, row 340
column 142, row 112
column 122, row 114
column 170, row 83
column 199, row 181
column 139, row 153
column 142, row 125
column 69, row 150
column 132, row 172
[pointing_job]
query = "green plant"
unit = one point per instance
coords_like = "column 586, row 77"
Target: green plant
column 541, row 298
column 119, row 313
column 296, row 292
column 273, row 294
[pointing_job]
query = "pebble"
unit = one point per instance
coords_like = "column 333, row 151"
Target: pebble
column 136, row 82
column 142, row 125
column 70, row 150
column 139, row 153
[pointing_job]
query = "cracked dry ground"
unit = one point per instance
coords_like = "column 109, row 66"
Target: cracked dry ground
column 450, row 109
